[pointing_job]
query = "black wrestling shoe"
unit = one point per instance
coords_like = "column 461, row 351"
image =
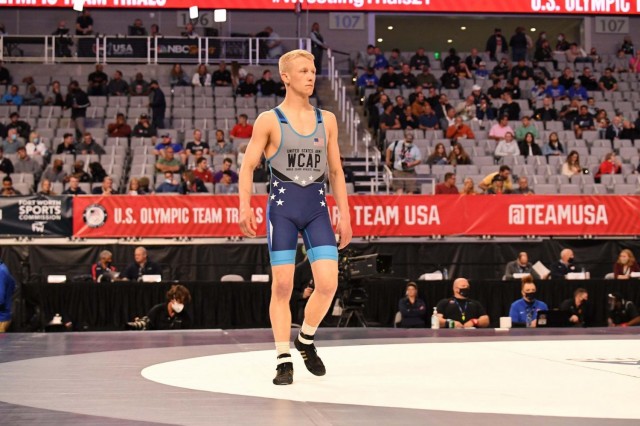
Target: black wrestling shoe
column 310, row 356
column 284, row 375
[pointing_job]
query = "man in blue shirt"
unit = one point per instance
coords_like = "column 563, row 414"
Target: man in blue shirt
column 524, row 312
column 12, row 97
column 368, row 80
column 7, row 287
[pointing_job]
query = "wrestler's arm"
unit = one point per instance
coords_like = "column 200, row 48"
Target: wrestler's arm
column 251, row 160
column 336, row 178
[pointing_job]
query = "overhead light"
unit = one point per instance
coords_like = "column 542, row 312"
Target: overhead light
column 380, row 40
column 220, row 15
column 463, row 28
column 193, row 12
column 533, row 30
column 449, row 41
column 390, row 27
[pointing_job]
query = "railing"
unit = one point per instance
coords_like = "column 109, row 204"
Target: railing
column 150, row 50
column 347, row 111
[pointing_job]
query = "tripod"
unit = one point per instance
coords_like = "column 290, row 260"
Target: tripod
column 349, row 312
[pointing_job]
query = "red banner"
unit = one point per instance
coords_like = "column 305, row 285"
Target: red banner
column 608, row 7
column 371, row 215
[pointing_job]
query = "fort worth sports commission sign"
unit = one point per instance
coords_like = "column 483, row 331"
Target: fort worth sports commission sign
column 611, row 7
column 376, row 215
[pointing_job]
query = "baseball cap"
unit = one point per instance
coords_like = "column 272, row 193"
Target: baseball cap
column 476, row 87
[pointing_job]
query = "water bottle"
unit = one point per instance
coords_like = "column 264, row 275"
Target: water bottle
column 445, row 274
column 435, row 322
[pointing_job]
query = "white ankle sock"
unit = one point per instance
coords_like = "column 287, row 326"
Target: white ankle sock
column 283, row 348
column 307, row 329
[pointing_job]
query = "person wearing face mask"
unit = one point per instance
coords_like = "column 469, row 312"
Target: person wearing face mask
column 402, row 157
column 459, row 311
column 578, row 308
column 563, row 266
column 622, row 313
column 102, row 270
column 412, row 308
column 562, row 45
column 169, row 315
column 524, row 312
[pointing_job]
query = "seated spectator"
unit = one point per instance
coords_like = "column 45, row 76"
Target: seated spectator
column 419, row 104
column 144, row 129
column 139, row 86
column 225, row 185
column 97, row 82
column 119, row 129
column 588, row 80
column 12, row 142
column 505, row 172
column 96, row 172
column 106, row 188
column 507, row 147
column 459, row 131
column 145, row 185
column 485, row 111
column 368, row 80
column 24, row 164
column 523, row 187
column 572, row 166
column 389, row 119
column 221, row 146
column 522, row 70
column 12, row 97
column 584, row 121
column 449, row 119
column 634, row 63
column 540, row 73
column 396, row 59
column 513, row 88
column 556, row 91
column 33, row 96
column 569, row 113
column 5, row 75
column 380, row 62
column 528, row 146
column 248, row 87
column 625, row 265
column 450, row 79
column 169, row 315
column 406, row 79
column 89, row 146
column 222, row 76
column 197, row 144
column 622, row 313
column 169, row 184
column 614, row 130
column 520, row 266
column 177, row 76
column 117, row 86
column 627, row 46
column 458, row 156
column 467, row 109
column 6, row 166
column 608, row 82
column 36, row 146
column 202, row 171
column 141, row 266
column 55, row 173
column 54, row 96
column 526, row 128
column 167, row 162
column 629, row 130
column 22, row 127
column 497, row 186
column 609, row 166
column 524, row 312
column 226, row 167
column 576, row 55
column 620, row 63
column 547, row 112
column 102, row 270
column 544, row 53
column 577, row 91
column 73, row 188
column 579, row 309
column 165, row 143
column 562, row 45
column 242, row 129
column 563, row 266
column 266, row 85
column 45, row 188
column 426, row 79
column 448, row 187
column 419, row 60
column 468, row 187
column 553, row 146
column 389, row 80
column 428, row 120
column 500, row 129
column 439, row 155
column 495, row 91
column 408, row 120
column 501, row 70
column 137, row 29
column 567, row 78
column 135, row 188
column 191, row 184
column 412, row 308
column 460, row 311
column 7, row 188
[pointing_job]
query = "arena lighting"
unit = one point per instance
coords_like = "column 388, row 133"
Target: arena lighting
column 449, row 41
column 193, row 12
column 463, row 28
column 380, row 40
column 78, row 5
column 533, row 30
column 220, row 15
column 390, row 27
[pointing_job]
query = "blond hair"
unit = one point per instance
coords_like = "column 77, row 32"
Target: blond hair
column 285, row 59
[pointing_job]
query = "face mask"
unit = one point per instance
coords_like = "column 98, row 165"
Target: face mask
column 177, row 307
column 36, row 140
column 464, row 292
column 570, row 260
column 530, row 296
column 169, row 180
column 14, row 137
column 560, row 38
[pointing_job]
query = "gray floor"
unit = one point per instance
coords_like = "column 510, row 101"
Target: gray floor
column 94, row 378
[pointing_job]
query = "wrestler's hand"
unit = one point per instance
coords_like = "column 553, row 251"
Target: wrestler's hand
column 344, row 233
column 247, row 222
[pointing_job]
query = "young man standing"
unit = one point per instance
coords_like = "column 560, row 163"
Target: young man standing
column 300, row 143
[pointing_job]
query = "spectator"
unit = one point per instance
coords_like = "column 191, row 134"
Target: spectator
column 572, row 166
column 439, row 155
column 501, row 70
column 584, row 121
column 544, row 53
column 522, row 71
column 226, row 167
column 578, row 308
column 221, row 147
column 450, row 79
column 562, row 45
column 428, row 120
column 6, row 166
column 634, row 63
column 139, row 86
column 117, row 85
column 247, row 88
column 191, row 184
column 467, row 109
column 119, row 129
column 569, row 113
column 556, row 91
column 141, row 266
column 523, row 188
column 197, row 144
column 518, row 45
column 459, row 131
column 23, row 128
column 528, row 146
column 12, row 97
column 527, row 127
column 389, row 119
column 5, row 75
column 625, row 265
column 169, row 315
column 33, row 96
column 497, row 186
column 609, row 166
column 576, row 55
column 242, row 130
column 513, row 88
column 367, row 80
column 7, row 288
column 448, row 120
column 67, row 146
column 167, row 162
column 473, row 60
column 12, row 142
column 45, row 188
column 477, row 95
column 497, row 46
column 144, row 129
column 495, row 91
column 169, row 185
column 266, row 85
column 500, row 129
column 74, row 188
column 419, row 60
column 226, row 185
column 380, row 62
column 540, row 73
column 577, row 91
column 406, row 79
column 7, row 188
column 468, row 187
column 485, row 111
column 448, row 186
column 427, row 79
column 135, row 188
column 418, row 106
column 588, row 80
column 396, row 60
column 520, row 266
column 389, row 80
column 546, row 112
column 614, row 130
column 622, row 313
column 462, row 311
column 89, row 146
column 402, row 157
column 274, row 44
column 627, row 46
column 318, row 46
column 620, row 63
column 177, row 76
column 78, row 102
column 63, row 41
column 412, row 308
column 78, row 172
column 458, row 156
column 54, row 95
column 84, row 23
column 608, row 82
column 524, row 312
column 481, row 73
column 97, row 172
column 106, row 188
column 567, row 78
column 408, row 120
column 509, row 108
column 98, row 82
column 222, row 76
column 24, row 164
column 137, row 29
column 202, row 171
column 102, row 270
column 189, row 31
column 157, row 104
column 55, row 173
column 504, row 172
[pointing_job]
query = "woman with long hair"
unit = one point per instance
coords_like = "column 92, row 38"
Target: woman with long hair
column 625, row 265
column 439, row 155
column 572, row 166
column 458, row 155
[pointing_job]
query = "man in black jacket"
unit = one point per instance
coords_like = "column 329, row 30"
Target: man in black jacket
column 78, row 101
column 141, row 266
column 158, row 104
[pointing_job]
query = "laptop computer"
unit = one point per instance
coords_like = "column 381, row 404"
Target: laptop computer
column 553, row 318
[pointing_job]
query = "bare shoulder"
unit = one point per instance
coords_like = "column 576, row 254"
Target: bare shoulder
column 329, row 117
column 265, row 120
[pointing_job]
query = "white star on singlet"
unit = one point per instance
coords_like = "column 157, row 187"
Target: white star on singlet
column 279, row 202
column 296, row 178
column 304, row 182
column 310, row 178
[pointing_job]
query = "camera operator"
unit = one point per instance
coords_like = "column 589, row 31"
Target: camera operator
column 170, row 315
column 402, row 157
